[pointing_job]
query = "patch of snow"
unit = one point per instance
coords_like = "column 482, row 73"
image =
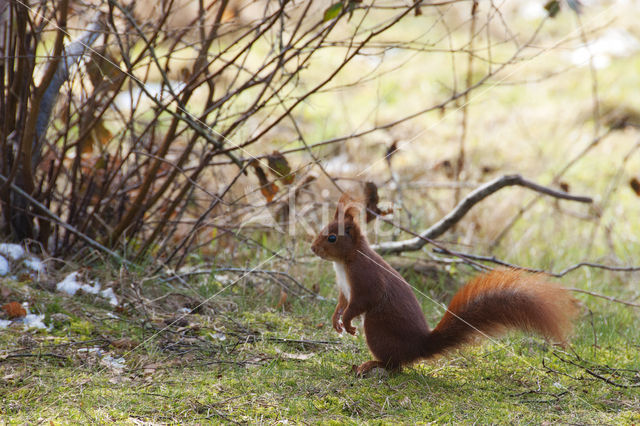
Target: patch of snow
column 35, row 264
column 71, row 285
column 106, row 359
column 4, row 266
column 14, row 251
column 218, row 336
column 5, row 323
column 95, row 289
column 614, row 42
column 35, row 321
column 115, row 363
column 91, row 350
column 109, row 295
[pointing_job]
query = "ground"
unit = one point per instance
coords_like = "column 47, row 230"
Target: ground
column 241, row 359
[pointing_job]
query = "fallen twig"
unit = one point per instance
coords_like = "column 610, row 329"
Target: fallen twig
column 596, row 375
column 44, row 355
column 243, row 270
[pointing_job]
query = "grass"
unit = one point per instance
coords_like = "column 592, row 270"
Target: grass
column 288, row 365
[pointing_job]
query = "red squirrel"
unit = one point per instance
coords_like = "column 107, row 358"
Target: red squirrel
column 394, row 325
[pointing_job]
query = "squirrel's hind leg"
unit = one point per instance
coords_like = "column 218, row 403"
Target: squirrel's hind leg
column 366, row 367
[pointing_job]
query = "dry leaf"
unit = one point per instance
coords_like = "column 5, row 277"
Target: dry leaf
column 635, row 185
column 446, row 167
column 283, row 299
column 268, row 189
column 392, row 150
column 5, row 292
column 100, row 134
column 124, row 343
column 150, row 369
column 279, row 166
column 405, row 402
column 14, row 310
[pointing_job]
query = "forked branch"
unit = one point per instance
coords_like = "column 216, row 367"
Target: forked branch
column 480, row 193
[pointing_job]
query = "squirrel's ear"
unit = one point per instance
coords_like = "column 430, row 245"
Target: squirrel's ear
column 351, row 214
column 348, row 208
column 345, row 199
column 343, row 205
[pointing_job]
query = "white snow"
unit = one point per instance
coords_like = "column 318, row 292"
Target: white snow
column 32, row 320
column 14, row 251
column 108, row 294
column 107, row 360
column 35, row 264
column 218, row 336
column 96, row 350
column 71, row 285
column 4, row 323
column 115, row 363
column 4, row 266
column 35, row 321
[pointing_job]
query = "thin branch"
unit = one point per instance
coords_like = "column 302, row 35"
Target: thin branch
column 465, row 205
column 603, row 296
column 243, row 270
column 43, row 209
column 596, row 375
column 562, row 273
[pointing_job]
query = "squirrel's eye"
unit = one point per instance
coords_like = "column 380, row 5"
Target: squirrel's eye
column 331, row 238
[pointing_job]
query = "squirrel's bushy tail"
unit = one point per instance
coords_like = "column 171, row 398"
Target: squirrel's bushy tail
column 501, row 300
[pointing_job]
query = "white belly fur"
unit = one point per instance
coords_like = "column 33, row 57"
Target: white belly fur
column 341, row 280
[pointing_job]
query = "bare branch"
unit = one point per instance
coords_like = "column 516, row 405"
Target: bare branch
column 465, row 205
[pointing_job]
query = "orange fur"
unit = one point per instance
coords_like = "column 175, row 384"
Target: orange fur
column 394, row 325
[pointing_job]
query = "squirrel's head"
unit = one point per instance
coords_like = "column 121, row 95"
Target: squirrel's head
column 340, row 239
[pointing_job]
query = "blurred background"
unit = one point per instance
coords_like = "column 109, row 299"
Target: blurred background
column 193, row 129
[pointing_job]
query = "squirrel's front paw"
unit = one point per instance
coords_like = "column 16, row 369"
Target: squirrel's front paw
column 350, row 329
column 337, row 323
